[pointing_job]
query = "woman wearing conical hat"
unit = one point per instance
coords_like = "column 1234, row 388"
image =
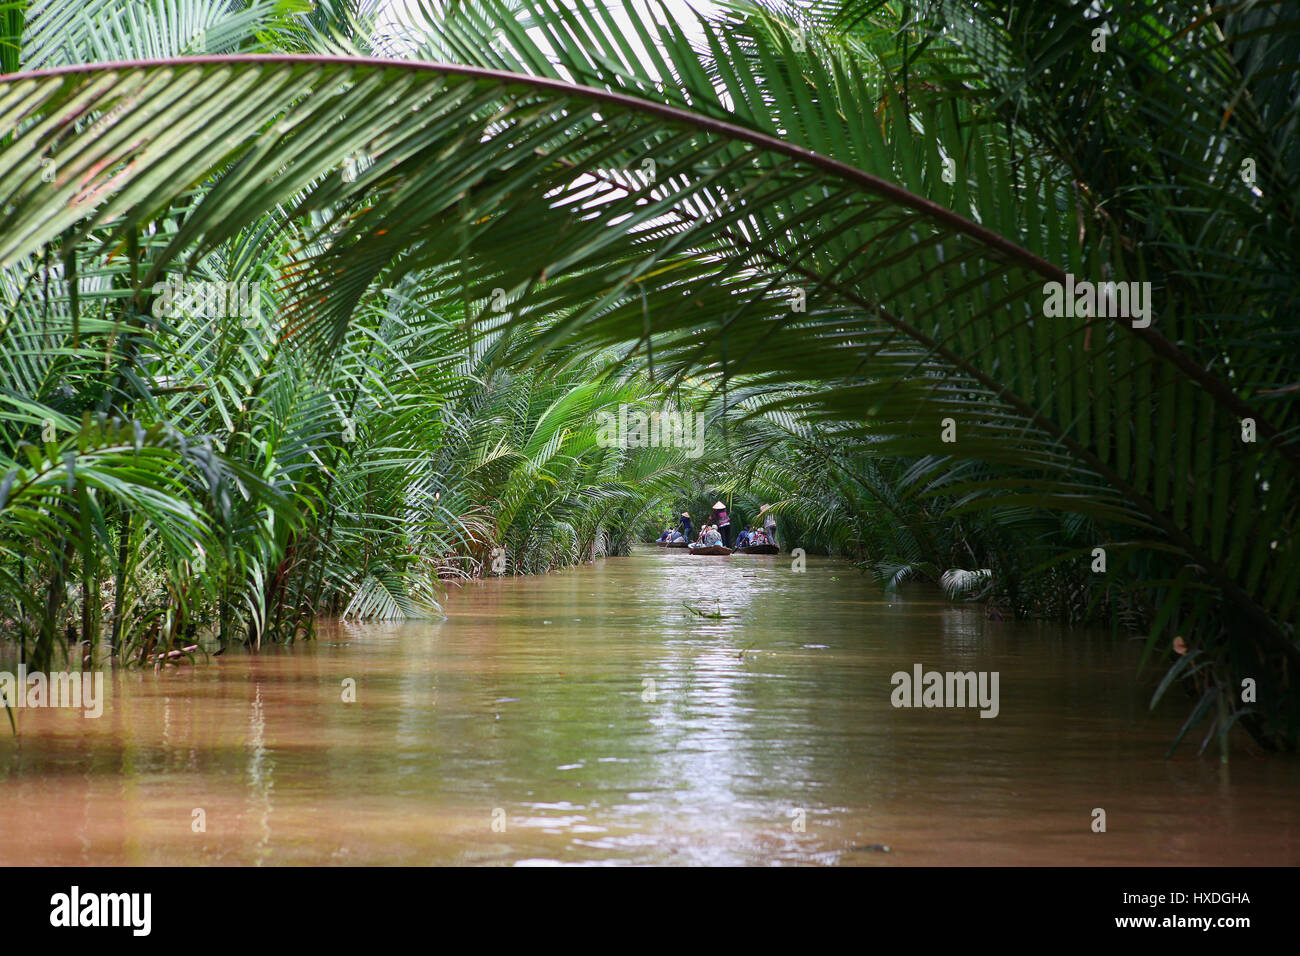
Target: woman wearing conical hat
column 722, row 521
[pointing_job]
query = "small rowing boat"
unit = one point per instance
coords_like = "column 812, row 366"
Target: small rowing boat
column 759, row 549
column 716, row 549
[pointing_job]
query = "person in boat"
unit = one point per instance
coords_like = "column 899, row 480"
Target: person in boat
column 769, row 523
column 686, row 526
column 742, row 539
column 722, row 522
column 667, row 534
column 709, row 538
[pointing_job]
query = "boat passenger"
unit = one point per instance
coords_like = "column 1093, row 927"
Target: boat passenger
column 722, row 522
column 769, row 523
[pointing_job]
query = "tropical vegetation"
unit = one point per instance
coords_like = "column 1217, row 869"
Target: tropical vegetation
column 832, row 228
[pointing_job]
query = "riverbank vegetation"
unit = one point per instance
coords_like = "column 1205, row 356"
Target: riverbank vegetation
column 831, row 229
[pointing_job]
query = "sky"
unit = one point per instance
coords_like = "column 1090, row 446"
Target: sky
column 680, row 10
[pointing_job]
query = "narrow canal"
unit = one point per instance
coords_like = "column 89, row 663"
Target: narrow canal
column 587, row 717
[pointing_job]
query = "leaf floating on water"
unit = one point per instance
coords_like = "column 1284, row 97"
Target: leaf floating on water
column 715, row 615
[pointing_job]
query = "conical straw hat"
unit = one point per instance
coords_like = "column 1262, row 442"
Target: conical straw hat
column 719, row 504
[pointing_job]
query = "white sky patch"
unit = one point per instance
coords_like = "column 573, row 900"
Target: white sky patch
column 397, row 20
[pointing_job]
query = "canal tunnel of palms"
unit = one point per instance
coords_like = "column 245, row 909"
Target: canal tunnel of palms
column 458, row 267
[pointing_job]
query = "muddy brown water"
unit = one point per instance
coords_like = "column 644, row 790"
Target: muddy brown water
column 587, row 717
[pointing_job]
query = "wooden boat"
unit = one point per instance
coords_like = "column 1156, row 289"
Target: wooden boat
column 715, row 549
column 675, row 544
column 759, row 549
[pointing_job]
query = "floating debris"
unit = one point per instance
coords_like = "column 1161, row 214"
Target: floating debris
column 172, row 655
column 713, row 615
